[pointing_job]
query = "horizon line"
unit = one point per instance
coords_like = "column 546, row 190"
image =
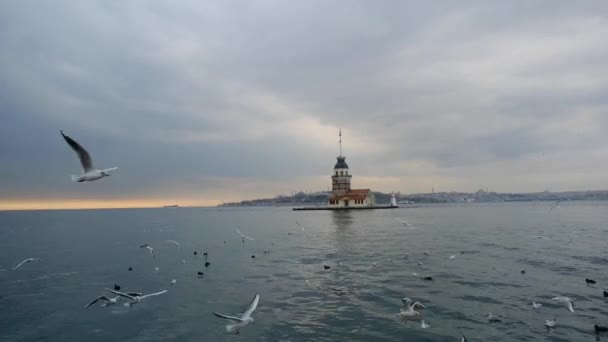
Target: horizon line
column 41, row 205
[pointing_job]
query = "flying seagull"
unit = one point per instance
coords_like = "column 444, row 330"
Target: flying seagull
column 89, row 172
column 173, row 242
column 238, row 323
column 108, row 301
column 243, row 236
column 404, row 222
column 556, row 206
column 566, row 301
column 150, row 249
column 301, row 228
column 135, row 297
column 25, row 261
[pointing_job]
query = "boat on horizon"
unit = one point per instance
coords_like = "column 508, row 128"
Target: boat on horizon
column 171, row 206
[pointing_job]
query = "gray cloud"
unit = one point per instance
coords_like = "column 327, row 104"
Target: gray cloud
column 233, row 100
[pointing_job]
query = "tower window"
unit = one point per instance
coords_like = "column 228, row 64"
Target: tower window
column 336, row 173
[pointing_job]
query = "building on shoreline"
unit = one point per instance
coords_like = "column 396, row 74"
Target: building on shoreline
column 342, row 196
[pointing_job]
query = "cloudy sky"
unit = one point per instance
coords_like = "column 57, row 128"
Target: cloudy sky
column 199, row 102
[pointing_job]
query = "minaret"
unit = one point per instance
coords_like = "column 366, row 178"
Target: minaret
column 340, row 178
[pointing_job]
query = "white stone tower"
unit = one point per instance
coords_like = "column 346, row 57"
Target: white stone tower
column 340, row 179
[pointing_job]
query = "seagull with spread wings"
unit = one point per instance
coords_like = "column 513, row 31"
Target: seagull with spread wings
column 25, row 261
column 150, row 249
column 135, row 297
column 108, row 301
column 243, row 236
column 404, row 222
column 236, row 323
column 556, row 206
column 89, row 172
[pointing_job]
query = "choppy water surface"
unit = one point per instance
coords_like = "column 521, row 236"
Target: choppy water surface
column 85, row 251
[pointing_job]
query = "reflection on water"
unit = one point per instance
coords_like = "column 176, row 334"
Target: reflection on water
column 372, row 260
column 342, row 219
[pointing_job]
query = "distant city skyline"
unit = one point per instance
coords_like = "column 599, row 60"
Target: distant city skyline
column 200, row 103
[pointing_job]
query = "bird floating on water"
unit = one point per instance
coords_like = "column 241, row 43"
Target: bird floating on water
column 550, row 323
column 239, row 322
column 89, row 172
column 424, row 325
column 406, row 314
column 408, row 310
column 408, row 303
column 536, row 305
column 599, row 329
column 26, row 261
column 493, row 318
column 540, row 237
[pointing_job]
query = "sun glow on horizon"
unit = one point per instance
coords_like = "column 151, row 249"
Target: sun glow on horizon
column 6, row 205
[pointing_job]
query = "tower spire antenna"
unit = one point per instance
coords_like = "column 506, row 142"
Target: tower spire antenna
column 340, row 135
